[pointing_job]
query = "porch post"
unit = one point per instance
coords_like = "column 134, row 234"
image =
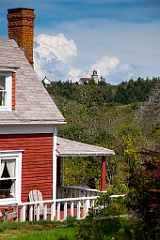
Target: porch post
column 58, row 176
column 103, row 174
column 58, row 171
column 63, row 171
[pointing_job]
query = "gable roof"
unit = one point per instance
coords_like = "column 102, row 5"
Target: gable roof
column 67, row 148
column 33, row 103
column 46, row 81
column 84, row 80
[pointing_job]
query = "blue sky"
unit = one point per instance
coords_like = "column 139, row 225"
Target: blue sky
column 119, row 38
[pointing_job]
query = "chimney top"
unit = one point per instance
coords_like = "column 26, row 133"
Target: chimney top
column 21, row 28
column 19, row 9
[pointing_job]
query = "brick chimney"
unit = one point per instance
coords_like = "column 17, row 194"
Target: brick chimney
column 21, row 28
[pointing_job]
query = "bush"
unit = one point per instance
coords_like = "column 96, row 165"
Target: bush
column 102, row 223
column 143, row 197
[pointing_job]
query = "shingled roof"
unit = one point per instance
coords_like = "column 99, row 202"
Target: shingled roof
column 33, row 103
column 66, row 148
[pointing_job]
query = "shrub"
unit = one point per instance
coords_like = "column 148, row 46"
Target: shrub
column 143, row 197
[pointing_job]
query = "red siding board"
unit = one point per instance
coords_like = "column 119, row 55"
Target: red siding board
column 36, row 161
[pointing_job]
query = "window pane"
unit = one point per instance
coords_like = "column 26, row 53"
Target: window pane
column 8, row 168
column 7, row 182
column 2, row 90
column 2, row 83
column 2, row 98
column 7, row 189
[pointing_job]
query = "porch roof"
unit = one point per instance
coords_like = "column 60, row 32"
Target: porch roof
column 66, row 148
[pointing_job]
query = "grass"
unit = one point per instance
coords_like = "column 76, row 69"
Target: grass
column 37, row 230
column 71, row 229
column 55, row 234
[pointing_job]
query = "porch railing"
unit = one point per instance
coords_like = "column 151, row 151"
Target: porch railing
column 59, row 209
column 77, row 191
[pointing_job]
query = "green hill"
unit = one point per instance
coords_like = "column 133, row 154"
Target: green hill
column 125, row 118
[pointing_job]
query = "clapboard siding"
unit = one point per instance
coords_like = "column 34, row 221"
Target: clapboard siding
column 36, row 161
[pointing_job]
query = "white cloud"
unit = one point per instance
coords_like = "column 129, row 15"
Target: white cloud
column 53, row 56
column 105, row 65
column 74, row 74
column 114, row 70
column 119, row 50
column 116, row 30
column 123, row 72
column 58, row 47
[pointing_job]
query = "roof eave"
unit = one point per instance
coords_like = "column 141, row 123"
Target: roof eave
column 89, row 154
column 32, row 122
column 8, row 68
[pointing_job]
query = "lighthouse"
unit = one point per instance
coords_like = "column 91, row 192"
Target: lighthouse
column 94, row 76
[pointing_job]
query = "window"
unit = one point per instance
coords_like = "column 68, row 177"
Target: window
column 2, row 90
column 10, row 176
column 5, row 91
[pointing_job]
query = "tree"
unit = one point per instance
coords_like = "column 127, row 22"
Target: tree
column 120, row 95
column 144, row 195
column 149, row 116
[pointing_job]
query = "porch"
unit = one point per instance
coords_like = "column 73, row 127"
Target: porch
column 55, row 210
column 67, row 200
column 67, row 149
column 74, row 201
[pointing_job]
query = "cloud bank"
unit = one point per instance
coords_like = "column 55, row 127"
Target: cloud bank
column 57, row 58
column 109, row 36
column 54, row 56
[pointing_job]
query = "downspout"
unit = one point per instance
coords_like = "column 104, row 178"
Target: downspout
column 54, row 184
column 58, row 177
column 63, row 171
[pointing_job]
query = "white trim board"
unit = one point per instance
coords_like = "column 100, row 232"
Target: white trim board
column 17, row 155
column 26, row 129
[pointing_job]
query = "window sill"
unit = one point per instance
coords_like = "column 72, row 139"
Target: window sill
column 5, row 109
column 8, row 201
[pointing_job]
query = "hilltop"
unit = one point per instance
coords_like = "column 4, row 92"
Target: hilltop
column 125, row 118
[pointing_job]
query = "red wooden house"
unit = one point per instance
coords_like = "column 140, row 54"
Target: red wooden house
column 30, row 151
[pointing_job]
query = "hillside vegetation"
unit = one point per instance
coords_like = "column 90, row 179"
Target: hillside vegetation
column 125, row 118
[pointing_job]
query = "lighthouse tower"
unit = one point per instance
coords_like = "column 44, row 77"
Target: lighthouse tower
column 94, row 76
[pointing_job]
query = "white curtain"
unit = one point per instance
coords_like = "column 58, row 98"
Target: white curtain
column 11, row 170
column 2, row 167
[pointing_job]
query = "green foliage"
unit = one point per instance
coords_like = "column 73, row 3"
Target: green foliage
column 111, row 206
column 70, row 221
column 119, row 118
column 134, row 91
column 112, row 117
column 86, row 172
column 96, row 229
column 63, row 238
column 106, row 223
column 144, row 195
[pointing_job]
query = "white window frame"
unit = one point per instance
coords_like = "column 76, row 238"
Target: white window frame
column 17, row 155
column 8, row 91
